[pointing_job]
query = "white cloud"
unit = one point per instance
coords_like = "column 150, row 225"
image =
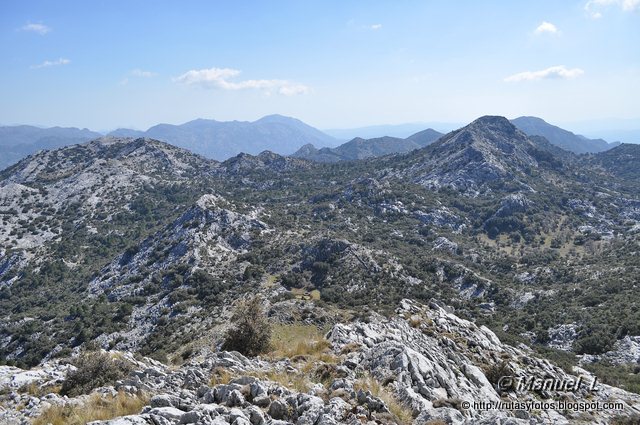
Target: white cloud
column 376, row 27
column 219, row 78
column 554, row 72
column 37, row 28
column 48, row 64
column 546, row 27
column 630, row 5
column 594, row 7
column 143, row 74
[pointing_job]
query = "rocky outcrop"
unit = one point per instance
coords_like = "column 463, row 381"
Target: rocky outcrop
column 423, row 365
column 626, row 351
column 441, row 217
column 245, row 163
column 444, row 244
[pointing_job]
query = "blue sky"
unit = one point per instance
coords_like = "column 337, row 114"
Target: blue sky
column 108, row 64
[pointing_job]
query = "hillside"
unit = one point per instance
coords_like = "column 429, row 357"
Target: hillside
column 489, row 150
column 452, row 362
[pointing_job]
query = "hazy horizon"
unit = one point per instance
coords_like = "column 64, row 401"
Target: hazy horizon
column 625, row 131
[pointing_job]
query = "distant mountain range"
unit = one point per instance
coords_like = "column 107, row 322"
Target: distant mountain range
column 533, row 126
column 283, row 135
column 213, row 139
column 223, row 139
column 401, row 131
column 19, row 141
column 360, row 148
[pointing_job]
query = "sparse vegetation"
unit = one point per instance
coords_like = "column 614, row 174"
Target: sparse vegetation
column 622, row 376
column 220, row 375
column 496, row 371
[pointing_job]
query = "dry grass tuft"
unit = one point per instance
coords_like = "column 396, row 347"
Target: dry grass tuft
column 296, row 381
column 351, row 347
column 300, row 340
column 415, row 321
column 403, row 414
column 96, row 408
column 35, row 390
column 219, row 376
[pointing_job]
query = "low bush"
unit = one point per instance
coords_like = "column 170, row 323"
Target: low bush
column 94, row 369
column 251, row 330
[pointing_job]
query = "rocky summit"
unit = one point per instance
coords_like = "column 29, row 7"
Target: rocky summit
column 488, row 276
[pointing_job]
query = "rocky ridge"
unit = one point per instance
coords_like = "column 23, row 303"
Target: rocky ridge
column 359, row 148
column 488, row 150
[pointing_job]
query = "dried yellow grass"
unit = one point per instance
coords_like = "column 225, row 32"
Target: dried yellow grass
column 296, row 381
column 300, row 340
column 402, row 413
column 96, row 408
column 219, row 376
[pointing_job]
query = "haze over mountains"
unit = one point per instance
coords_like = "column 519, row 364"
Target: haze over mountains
column 212, row 139
column 221, row 140
column 19, row 141
column 401, row 131
column 282, row 135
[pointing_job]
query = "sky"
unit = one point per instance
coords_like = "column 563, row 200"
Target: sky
column 332, row 64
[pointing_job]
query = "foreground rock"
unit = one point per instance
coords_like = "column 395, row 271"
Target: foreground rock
column 423, row 366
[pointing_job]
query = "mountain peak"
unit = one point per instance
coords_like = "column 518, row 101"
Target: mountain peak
column 276, row 118
column 495, row 123
column 425, row 137
column 486, row 152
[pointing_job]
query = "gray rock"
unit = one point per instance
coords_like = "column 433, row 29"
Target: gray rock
column 262, row 401
column 124, row 420
column 192, row 417
column 257, row 389
column 255, row 415
column 222, row 392
column 279, row 409
column 170, row 413
column 235, row 398
column 161, row 400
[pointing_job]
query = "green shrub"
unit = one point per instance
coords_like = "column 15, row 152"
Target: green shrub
column 94, row 369
column 251, row 331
